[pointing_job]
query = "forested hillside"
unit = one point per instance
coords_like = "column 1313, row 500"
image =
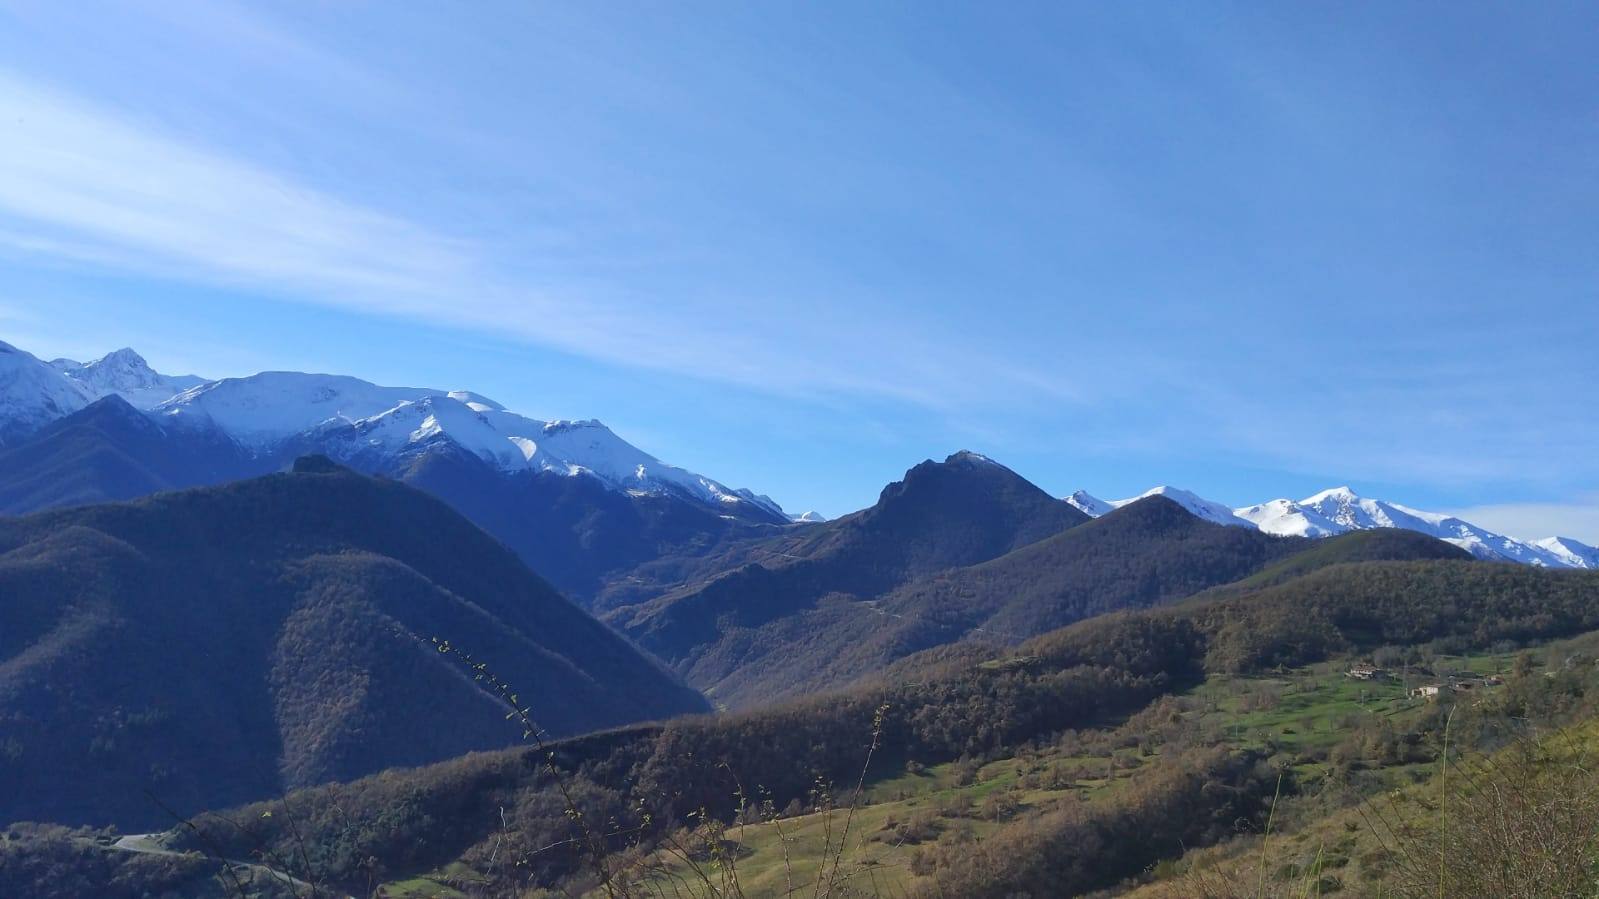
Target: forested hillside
column 1146, row 554
column 212, row 646
column 109, row 451
column 807, row 589
column 1084, row 680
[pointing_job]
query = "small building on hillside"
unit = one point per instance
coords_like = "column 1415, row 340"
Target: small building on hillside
column 1456, row 685
column 1363, row 671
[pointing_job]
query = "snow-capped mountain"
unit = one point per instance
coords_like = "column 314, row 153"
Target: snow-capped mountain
column 808, row 517
column 1573, row 553
column 1197, row 505
column 1088, row 504
column 126, row 374
column 352, row 420
column 33, row 394
column 267, row 416
column 262, row 411
column 356, row 421
column 1341, row 510
column 1344, row 507
column 1287, row 518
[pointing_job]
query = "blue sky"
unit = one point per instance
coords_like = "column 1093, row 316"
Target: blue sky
column 1251, row 250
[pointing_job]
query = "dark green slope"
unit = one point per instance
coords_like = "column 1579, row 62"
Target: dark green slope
column 1144, row 554
column 962, row 511
column 1454, row 603
column 1146, row 558
column 589, row 540
column 1375, row 545
column 1147, row 554
column 217, row 645
column 1076, row 677
column 110, row 451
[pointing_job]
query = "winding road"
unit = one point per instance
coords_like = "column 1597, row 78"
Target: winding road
column 149, row 844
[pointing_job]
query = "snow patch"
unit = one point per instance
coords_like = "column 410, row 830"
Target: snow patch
column 347, row 417
column 1286, row 518
column 1088, row 504
column 1340, row 510
column 126, row 374
column 1196, row 505
column 271, row 409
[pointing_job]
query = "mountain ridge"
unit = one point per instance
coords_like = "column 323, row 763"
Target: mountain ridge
column 1148, row 553
column 940, row 515
column 1339, row 510
column 276, row 415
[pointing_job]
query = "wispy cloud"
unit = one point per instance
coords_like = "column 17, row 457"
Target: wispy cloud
column 102, row 189
column 82, row 184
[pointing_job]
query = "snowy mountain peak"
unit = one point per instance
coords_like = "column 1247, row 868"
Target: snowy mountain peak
column 33, row 394
column 1340, row 509
column 264, row 410
column 1573, row 553
column 1088, row 504
column 125, row 373
column 808, row 517
column 1196, row 505
column 351, row 420
column 1349, row 509
column 1286, row 518
column 124, row 358
column 1208, row 510
column 357, row 421
column 476, row 400
column 414, row 425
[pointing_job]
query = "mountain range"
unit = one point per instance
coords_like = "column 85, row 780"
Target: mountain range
column 582, row 507
column 217, row 592
column 959, row 551
column 34, row 393
column 1341, row 510
column 312, row 584
column 241, row 426
column 268, row 413
column 940, row 516
column 1105, row 691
